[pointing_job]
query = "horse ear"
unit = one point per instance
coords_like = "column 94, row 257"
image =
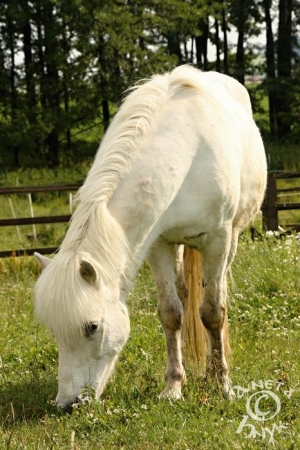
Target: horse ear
column 88, row 272
column 43, row 260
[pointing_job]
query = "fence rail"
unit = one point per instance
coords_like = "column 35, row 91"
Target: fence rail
column 46, row 188
column 34, row 220
column 270, row 208
column 27, row 252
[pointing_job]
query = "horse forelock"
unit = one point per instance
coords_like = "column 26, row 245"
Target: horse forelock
column 65, row 302
column 96, row 232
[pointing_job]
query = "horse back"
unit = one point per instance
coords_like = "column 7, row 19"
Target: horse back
column 203, row 161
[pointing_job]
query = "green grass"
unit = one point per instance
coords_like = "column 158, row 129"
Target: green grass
column 265, row 331
column 282, row 156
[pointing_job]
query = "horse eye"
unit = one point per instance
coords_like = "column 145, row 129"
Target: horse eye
column 90, row 328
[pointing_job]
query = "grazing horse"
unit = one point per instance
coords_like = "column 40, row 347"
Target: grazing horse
column 182, row 163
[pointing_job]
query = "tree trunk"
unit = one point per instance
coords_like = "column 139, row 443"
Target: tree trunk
column 173, row 40
column 284, row 67
column 66, row 106
column 192, row 49
column 225, row 40
column 240, row 53
column 41, row 58
column 218, row 47
column 65, row 85
column 52, row 83
column 103, row 84
column 271, row 75
column 13, row 90
column 106, row 114
column 201, row 43
column 240, row 58
column 28, row 61
column 3, row 77
column 285, row 39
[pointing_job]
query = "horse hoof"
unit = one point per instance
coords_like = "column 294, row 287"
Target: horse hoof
column 228, row 392
column 170, row 394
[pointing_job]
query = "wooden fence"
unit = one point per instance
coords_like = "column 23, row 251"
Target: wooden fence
column 270, row 209
column 34, row 220
column 271, row 206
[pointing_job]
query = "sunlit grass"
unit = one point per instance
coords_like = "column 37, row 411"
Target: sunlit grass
column 265, row 330
column 264, row 318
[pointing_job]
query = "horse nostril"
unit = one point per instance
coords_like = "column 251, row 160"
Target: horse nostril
column 78, row 400
column 68, row 408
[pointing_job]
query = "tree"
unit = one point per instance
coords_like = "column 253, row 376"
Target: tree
column 9, row 39
column 270, row 68
column 224, row 30
column 26, row 31
column 284, row 68
column 65, row 64
column 245, row 15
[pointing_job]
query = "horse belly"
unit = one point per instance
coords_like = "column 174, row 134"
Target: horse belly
column 207, row 200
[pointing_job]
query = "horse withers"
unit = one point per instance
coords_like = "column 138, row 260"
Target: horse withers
column 182, row 164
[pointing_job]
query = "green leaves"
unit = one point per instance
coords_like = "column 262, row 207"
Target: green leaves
column 65, row 64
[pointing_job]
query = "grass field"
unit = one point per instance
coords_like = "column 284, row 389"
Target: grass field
column 265, row 331
column 264, row 317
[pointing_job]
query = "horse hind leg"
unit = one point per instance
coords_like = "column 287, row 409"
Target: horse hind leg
column 213, row 309
column 170, row 310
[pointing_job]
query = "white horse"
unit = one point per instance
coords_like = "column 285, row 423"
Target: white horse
column 182, row 163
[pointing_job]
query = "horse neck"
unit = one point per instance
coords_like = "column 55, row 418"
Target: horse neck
column 140, row 231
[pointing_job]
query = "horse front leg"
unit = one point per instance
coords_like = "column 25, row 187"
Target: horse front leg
column 170, row 310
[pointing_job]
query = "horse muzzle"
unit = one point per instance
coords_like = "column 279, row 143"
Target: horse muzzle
column 68, row 407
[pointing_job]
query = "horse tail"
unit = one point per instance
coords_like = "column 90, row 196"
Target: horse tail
column 193, row 330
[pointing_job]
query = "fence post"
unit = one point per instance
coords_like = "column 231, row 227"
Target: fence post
column 32, row 215
column 269, row 207
column 14, row 216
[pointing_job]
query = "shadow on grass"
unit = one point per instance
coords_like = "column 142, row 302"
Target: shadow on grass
column 27, row 401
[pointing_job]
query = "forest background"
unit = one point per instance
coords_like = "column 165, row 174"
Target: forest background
column 64, row 65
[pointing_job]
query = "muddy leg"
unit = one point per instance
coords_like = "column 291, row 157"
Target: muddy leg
column 170, row 309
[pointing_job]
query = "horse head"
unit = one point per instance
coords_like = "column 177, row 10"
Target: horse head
column 88, row 320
